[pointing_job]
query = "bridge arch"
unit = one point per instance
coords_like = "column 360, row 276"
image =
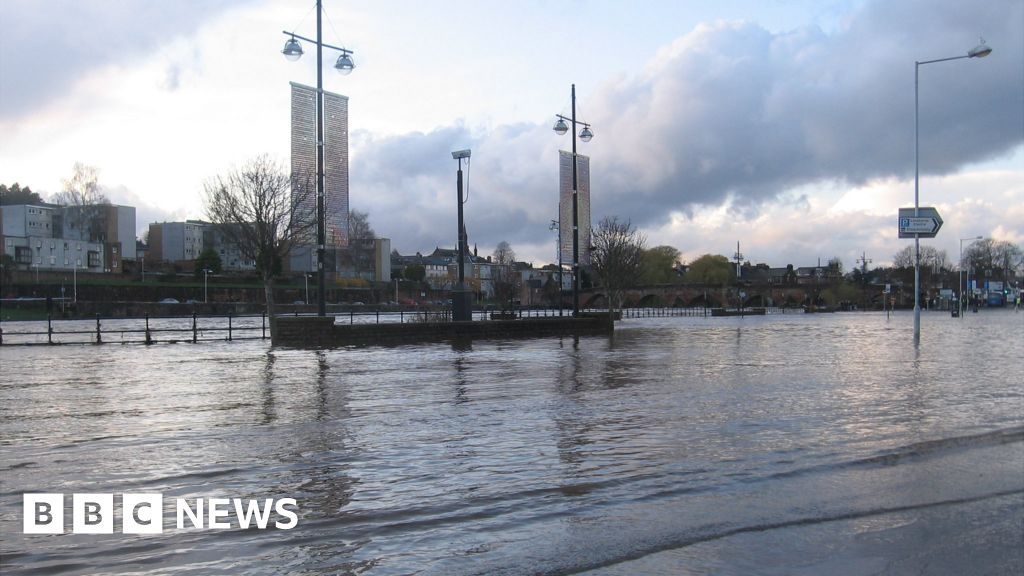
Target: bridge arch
column 651, row 301
column 705, row 300
column 596, row 300
column 757, row 301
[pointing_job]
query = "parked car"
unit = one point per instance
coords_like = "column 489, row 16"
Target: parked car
column 170, row 301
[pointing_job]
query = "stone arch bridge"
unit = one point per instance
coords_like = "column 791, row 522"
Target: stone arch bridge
column 698, row 295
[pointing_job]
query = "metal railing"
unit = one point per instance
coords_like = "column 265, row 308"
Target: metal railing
column 144, row 330
column 195, row 328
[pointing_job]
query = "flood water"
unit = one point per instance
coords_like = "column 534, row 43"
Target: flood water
column 791, row 444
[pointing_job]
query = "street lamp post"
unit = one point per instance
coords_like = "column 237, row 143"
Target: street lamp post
column 585, row 134
column 293, row 51
column 462, row 305
column 206, row 298
column 305, row 277
column 960, row 282
column 979, row 51
column 74, row 275
column 557, row 225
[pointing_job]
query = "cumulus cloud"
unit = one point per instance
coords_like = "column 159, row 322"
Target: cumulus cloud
column 733, row 111
column 732, row 115
column 48, row 46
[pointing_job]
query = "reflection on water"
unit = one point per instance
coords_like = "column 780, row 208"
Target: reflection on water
column 624, row 454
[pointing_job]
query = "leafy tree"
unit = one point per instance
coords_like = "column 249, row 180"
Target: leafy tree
column 7, row 266
column 617, row 251
column 18, row 195
column 712, row 269
column 415, row 272
column 208, row 259
column 659, row 265
column 254, row 208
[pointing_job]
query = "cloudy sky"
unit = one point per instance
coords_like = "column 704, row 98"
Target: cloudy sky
column 786, row 125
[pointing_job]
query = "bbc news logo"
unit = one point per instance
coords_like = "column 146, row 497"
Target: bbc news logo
column 143, row 513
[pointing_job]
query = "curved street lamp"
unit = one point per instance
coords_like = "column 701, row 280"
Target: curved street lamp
column 293, row 51
column 979, row 51
column 585, row 134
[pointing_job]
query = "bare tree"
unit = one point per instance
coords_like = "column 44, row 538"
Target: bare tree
column 83, row 203
column 988, row 255
column 931, row 258
column 503, row 272
column 359, row 225
column 360, row 244
column 617, row 257
column 253, row 208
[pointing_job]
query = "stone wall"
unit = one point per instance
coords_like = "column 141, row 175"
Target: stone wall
column 317, row 332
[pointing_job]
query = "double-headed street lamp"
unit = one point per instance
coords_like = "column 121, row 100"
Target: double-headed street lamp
column 585, row 134
column 979, row 51
column 960, row 283
column 293, row 51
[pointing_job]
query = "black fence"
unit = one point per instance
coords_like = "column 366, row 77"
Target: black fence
column 146, row 330
column 229, row 327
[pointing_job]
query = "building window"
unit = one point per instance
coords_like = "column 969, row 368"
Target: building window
column 94, row 259
column 114, row 263
column 53, row 260
column 23, row 255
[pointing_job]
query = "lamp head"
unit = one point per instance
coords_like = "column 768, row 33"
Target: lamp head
column 586, row 134
column 292, row 50
column 981, row 50
column 344, row 65
column 560, row 127
column 460, row 154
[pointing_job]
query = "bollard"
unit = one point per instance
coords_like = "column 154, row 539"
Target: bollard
column 351, row 317
column 49, row 329
column 149, row 339
column 194, row 331
column 265, row 325
column 99, row 336
column 229, row 327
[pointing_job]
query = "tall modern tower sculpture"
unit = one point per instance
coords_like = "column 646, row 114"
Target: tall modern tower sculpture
column 335, row 160
column 565, row 205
